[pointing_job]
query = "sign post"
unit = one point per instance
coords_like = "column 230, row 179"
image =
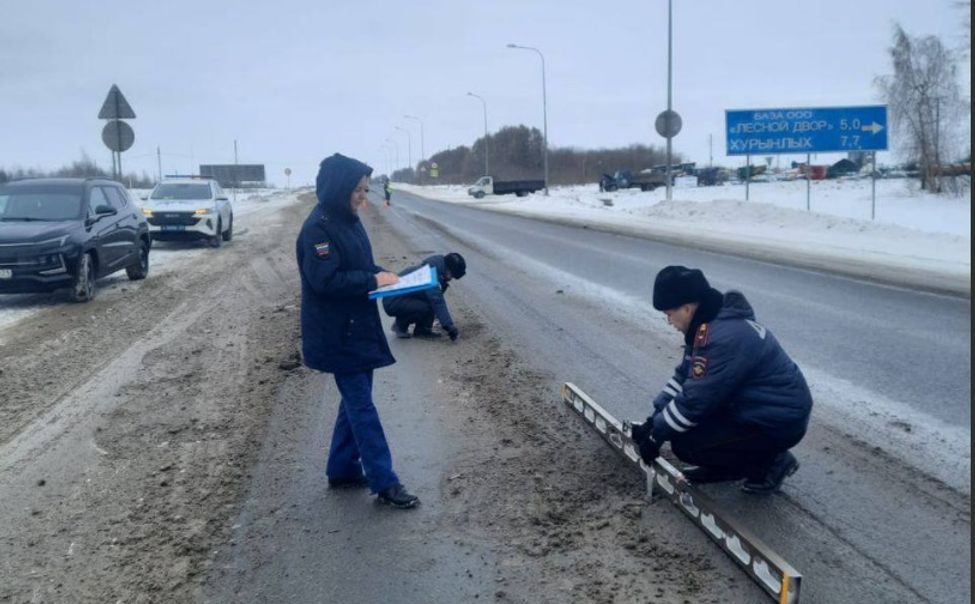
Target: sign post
column 806, row 130
column 668, row 125
column 873, row 185
column 748, row 174
column 117, row 135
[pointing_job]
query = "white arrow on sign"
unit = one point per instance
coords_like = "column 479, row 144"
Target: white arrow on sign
column 873, row 128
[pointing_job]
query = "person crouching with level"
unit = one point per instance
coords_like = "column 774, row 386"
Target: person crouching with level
column 421, row 307
column 737, row 403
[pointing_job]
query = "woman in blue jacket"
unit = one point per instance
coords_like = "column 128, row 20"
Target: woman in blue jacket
column 341, row 331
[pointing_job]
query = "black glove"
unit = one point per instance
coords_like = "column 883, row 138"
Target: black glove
column 453, row 333
column 642, row 435
column 649, row 449
column 640, row 431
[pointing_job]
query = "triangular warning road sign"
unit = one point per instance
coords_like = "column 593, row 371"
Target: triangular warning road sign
column 115, row 106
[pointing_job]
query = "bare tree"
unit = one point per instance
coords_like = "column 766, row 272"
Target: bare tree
column 924, row 96
column 966, row 27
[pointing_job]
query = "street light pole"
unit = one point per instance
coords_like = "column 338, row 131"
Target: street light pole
column 423, row 154
column 544, row 109
column 386, row 157
column 396, row 149
column 409, row 145
column 670, row 94
column 483, row 102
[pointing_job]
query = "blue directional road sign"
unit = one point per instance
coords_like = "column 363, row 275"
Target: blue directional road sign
column 808, row 130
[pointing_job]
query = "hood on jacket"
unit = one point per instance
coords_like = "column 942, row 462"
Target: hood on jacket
column 735, row 307
column 338, row 176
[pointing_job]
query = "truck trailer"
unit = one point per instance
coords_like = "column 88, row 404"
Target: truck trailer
column 487, row 185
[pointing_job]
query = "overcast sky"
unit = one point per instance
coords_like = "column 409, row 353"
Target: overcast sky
column 294, row 81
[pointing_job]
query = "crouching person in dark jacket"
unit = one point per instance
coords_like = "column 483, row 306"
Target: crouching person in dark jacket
column 737, row 403
column 341, row 331
column 421, row 307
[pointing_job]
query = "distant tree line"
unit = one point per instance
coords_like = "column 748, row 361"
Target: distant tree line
column 516, row 153
column 82, row 168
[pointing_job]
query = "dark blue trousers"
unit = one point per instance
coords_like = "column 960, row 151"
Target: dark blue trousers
column 724, row 443
column 358, row 442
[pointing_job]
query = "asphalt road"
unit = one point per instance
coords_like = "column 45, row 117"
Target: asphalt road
column 880, row 510
column 519, row 503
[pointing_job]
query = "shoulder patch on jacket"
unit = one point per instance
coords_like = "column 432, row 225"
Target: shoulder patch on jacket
column 699, row 367
column 701, row 337
column 322, row 249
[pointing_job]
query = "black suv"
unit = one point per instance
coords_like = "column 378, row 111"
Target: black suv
column 66, row 232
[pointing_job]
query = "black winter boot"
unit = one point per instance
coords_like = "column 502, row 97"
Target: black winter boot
column 398, row 497
column 709, row 474
column 426, row 333
column 347, row 482
column 784, row 464
column 401, row 330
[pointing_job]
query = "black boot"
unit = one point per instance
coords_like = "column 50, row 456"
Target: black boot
column 398, row 497
column 426, row 333
column 709, row 474
column 402, row 330
column 347, row 482
column 784, row 464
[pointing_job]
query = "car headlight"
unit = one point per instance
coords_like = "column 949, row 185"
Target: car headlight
column 203, row 211
column 147, row 212
column 57, row 242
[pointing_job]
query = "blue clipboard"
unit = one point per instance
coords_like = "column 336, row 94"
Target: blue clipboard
column 397, row 290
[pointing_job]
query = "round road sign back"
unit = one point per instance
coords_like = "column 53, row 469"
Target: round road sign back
column 668, row 123
column 287, row 171
column 118, row 136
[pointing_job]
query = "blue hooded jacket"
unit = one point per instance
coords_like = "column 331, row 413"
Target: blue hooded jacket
column 340, row 327
column 734, row 370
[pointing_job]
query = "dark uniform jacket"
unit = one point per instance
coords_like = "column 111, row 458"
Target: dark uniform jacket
column 734, row 370
column 395, row 305
column 340, row 327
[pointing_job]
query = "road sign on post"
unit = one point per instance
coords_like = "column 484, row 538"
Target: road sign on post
column 117, row 135
column 115, row 106
column 668, row 123
column 806, row 130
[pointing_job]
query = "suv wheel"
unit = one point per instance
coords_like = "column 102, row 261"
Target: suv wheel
column 229, row 233
column 139, row 270
column 217, row 240
column 83, row 288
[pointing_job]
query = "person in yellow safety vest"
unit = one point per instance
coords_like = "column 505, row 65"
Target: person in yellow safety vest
column 387, row 191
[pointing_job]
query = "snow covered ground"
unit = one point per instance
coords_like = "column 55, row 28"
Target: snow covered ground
column 165, row 256
column 914, row 237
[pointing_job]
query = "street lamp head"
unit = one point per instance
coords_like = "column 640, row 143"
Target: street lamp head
column 510, row 45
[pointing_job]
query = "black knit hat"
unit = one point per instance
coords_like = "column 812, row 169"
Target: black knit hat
column 455, row 264
column 678, row 285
